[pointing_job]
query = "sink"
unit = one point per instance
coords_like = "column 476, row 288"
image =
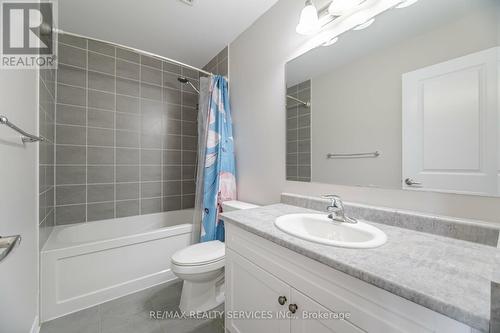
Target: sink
column 319, row 228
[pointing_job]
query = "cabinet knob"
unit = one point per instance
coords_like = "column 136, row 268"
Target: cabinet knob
column 293, row 308
column 282, row 300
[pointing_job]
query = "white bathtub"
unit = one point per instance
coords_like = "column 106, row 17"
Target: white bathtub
column 90, row 263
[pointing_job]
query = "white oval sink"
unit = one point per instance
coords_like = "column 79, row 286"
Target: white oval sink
column 319, row 228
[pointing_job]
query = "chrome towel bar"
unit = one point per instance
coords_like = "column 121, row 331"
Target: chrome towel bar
column 26, row 137
column 374, row 154
column 306, row 104
column 7, row 244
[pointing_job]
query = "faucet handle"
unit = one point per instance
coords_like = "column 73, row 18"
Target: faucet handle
column 333, row 197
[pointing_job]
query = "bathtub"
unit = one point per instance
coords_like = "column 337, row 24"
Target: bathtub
column 86, row 264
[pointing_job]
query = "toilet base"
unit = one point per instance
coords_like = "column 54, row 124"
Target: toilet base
column 202, row 296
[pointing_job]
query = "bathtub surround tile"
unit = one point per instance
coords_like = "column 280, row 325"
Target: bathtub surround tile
column 70, row 115
column 100, row 155
column 127, row 191
column 73, row 40
column 101, row 47
column 126, row 69
column 100, row 193
column 70, row 214
column 71, row 95
column 71, row 75
column 151, row 62
column 127, row 55
column 172, row 203
column 101, row 100
column 127, row 208
column 70, row 194
column 126, row 134
column 150, row 206
column 70, row 155
column 100, row 118
column 100, row 174
column 127, row 104
column 100, row 211
column 101, row 63
column 73, row 56
column 46, row 167
column 101, row 81
column 461, row 229
column 70, row 175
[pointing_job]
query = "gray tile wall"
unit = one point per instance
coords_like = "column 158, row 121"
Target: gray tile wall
column 126, row 133
column 219, row 64
column 46, row 129
column 298, row 134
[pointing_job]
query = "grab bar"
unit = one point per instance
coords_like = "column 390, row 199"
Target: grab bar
column 25, row 137
column 7, row 244
column 374, row 154
column 306, row 104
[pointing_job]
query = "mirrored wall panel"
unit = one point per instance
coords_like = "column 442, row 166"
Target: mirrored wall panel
column 410, row 101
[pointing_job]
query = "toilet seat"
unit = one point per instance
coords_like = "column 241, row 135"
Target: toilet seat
column 202, row 254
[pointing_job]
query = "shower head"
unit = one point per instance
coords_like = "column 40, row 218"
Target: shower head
column 185, row 80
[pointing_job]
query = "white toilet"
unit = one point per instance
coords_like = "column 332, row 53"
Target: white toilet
column 201, row 266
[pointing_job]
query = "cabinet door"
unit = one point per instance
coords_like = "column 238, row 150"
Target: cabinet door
column 450, row 125
column 251, row 291
column 313, row 317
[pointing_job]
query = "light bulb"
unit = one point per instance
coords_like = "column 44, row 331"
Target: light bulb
column 309, row 21
column 341, row 7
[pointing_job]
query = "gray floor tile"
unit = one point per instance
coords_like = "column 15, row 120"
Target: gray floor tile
column 131, row 314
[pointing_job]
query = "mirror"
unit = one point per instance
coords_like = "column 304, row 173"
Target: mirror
column 411, row 102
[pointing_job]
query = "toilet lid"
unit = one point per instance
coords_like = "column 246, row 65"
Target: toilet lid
column 199, row 254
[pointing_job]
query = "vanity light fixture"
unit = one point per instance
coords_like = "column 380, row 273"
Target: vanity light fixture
column 309, row 21
column 341, row 7
column 364, row 25
column 406, row 3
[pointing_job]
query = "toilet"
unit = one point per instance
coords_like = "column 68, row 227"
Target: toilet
column 201, row 267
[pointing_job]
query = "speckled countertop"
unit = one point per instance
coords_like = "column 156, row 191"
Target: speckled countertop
column 446, row 275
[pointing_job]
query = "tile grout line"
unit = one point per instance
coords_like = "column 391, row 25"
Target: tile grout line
column 86, row 128
column 115, row 205
column 140, row 135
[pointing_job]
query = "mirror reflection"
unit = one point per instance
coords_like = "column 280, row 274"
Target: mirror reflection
column 409, row 101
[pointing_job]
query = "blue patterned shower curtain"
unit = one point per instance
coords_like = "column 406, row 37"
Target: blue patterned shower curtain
column 219, row 182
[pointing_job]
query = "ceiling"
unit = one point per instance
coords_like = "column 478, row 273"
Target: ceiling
column 191, row 34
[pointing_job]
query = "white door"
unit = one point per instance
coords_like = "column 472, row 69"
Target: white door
column 251, row 291
column 19, row 201
column 450, row 125
column 313, row 317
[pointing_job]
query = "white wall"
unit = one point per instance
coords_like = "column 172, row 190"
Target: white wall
column 257, row 64
column 19, row 201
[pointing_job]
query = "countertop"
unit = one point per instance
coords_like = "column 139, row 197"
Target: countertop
column 446, row 275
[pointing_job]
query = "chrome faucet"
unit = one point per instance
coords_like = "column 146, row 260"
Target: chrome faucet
column 336, row 210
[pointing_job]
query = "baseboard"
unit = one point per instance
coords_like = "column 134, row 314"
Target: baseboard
column 35, row 328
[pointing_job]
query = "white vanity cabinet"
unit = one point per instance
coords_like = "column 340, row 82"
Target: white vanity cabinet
column 264, row 279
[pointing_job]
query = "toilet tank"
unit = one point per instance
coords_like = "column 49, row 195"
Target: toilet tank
column 228, row 206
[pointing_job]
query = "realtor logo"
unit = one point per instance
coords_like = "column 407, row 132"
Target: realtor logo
column 28, row 36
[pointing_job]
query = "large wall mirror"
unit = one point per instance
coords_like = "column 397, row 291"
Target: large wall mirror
column 411, row 102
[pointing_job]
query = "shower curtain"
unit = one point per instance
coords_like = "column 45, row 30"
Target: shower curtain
column 216, row 180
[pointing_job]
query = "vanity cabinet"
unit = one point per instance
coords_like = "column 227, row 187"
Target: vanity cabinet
column 269, row 282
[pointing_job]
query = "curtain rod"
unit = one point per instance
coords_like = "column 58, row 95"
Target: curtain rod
column 137, row 51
